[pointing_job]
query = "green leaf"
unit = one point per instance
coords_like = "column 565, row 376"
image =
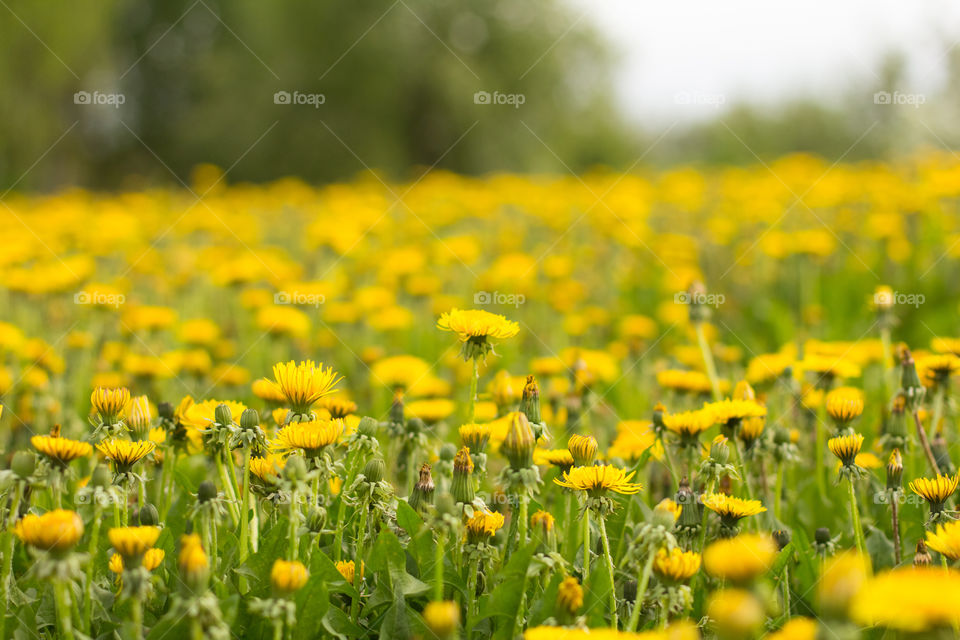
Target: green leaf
column 597, row 595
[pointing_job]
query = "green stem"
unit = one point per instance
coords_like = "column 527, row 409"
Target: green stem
column 342, row 509
column 358, row 560
column 232, row 507
column 91, row 564
column 703, row 521
column 855, row 514
column 922, row 435
column 522, row 519
column 8, row 556
column 136, row 616
column 244, row 515
column 474, row 379
column 778, row 491
column 895, row 515
column 294, row 524
column 473, row 569
column 642, row 581
column 62, row 602
column 821, row 446
column 277, row 629
column 786, row 591
column 613, row 583
column 586, row 545
column 938, row 401
column 56, row 490
column 708, row 361
column 438, row 567
column 196, row 629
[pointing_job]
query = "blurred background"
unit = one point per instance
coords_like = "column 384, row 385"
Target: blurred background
column 126, row 93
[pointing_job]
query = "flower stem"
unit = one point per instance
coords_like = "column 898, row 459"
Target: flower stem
column 586, row 545
column 703, row 521
column 88, row 587
column 244, row 515
column 474, row 380
column 708, row 361
column 62, row 601
column 277, row 629
column 895, row 515
column 438, row 566
column 472, row 570
column 227, row 490
column 821, row 446
column 136, row 616
column 294, row 524
column 922, row 435
column 778, row 491
column 358, row 560
column 855, row 514
column 642, row 581
column 522, row 519
column 8, row 556
column 613, row 584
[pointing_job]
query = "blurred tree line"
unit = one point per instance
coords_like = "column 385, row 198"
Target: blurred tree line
column 398, row 80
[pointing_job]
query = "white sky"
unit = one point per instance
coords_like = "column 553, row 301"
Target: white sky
column 688, row 58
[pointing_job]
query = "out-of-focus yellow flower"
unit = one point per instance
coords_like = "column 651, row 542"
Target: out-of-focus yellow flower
column 570, row 596
column 288, row 577
column 738, row 613
column 442, row 618
column 913, row 599
column 845, row 404
column 57, row 531
column 740, row 559
column 843, row 576
column 151, row 560
column 133, row 542
column 676, row 565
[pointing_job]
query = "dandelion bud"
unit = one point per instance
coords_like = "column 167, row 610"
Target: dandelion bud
column 894, row 471
column 222, row 415
column 821, row 536
column 448, row 451
column 295, row 470
column 689, row 507
column 396, row 409
column 719, row 450
column 520, row 441
column 583, row 449
column 165, row 411
column 316, row 518
column 110, row 403
column 530, row 401
column 374, row 470
column 23, row 464
column 207, row 491
column 782, row 538
column 139, row 418
column 149, row 516
column 367, row 427
column 910, row 385
column 922, row 558
column 101, row 477
column 288, row 577
column 249, row 419
column 462, row 487
column 422, row 495
column 475, row 437
column 569, row 596
column 442, row 618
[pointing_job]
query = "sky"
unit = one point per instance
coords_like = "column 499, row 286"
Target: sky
column 694, row 58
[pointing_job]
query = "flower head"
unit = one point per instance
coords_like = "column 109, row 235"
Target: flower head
column 110, row 404
column 542, row 520
column 348, row 570
column 935, row 490
column 733, row 411
column 689, row 424
column 570, row 596
column 311, row 437
column 58, row 530
column 597, row 480
column 60, row 450
column 676, row 565
column 583, row 449
column 132, row 542
column 560, row 458
column 442, row 618
column 287, row 577
column 192, row 561
column 844, row 404
column 483, row 525
column 946, row 539
column 475, row 436
column 151, row 560
column 740, row 559
column 304, row 383
column 738, row 613
column 914, row 599
column 125, row 453
column 475, row 328
column 846, row 448
column 731, row 509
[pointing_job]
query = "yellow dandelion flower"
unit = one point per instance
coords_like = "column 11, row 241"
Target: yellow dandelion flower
column 304, row 383
column 268, row 467
column 133, row 542
column 914, row 599
column 125, row 453
column 844, row 404
column 477, row 325
column 935, row 490
column 151, row 560
column 110, row 404
column 676, row 565
column 310, row 437
column 58, row 530
column 597, row 480
column 842, row 577
column 60, row 450
column 287, row 577
column 475, row 436
column 268, row 390
column 689, row 424
column 670, row 507
column 442, row 618
column 583, row 449
column 733, row 411
column 570, row 596
column 483, row 525
column 737, row 613
column 543, row 520
column 731, row 509
column 348, row 570
column 740, row 559
column 797, row 629
column 846, row 447
column 946, row 539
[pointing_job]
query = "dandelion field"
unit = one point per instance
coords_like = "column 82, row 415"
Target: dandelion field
column 677, row 404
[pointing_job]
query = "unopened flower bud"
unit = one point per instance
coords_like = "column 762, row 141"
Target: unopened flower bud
column 894, row 470
column 910, row 385
column 448, row 451
column 149, row 516
column 782, row 538
column 101, row 477
column 165, row 411
column 367, row 427
column 207, row 491
column 23, row 464
column 222, row 415
column 922, row 558
column 530, row 401
column 249, row 419
column 295, row 470
column 543, row 520
column 719, row 450
column 520, row 442
column 374, row 470
column 396, row 409
column 422, row 495
column 316, row 517
column 821, row 536
column 583, row 449
column 687, row 500
column 462, row 487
